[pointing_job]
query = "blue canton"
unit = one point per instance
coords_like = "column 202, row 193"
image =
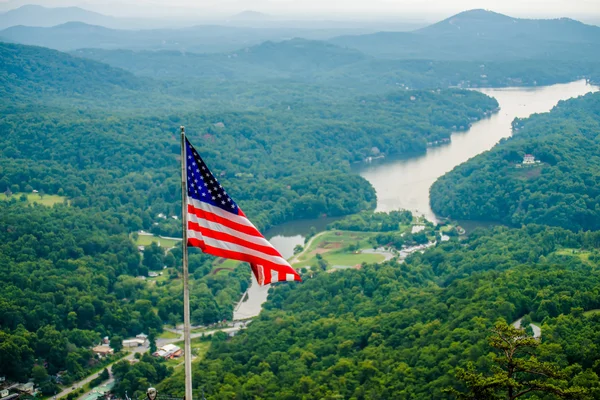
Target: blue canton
column 202, row 185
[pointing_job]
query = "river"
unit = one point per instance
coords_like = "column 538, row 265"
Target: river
column 404, row 184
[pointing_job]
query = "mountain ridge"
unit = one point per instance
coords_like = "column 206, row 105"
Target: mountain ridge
column 484, row 36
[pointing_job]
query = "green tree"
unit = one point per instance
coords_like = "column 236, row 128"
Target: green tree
column 39, row 374
column 116, row 342
column 517, row 372
column 152, row 340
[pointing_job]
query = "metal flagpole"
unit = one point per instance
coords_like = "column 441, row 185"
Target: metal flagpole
column 186, row 290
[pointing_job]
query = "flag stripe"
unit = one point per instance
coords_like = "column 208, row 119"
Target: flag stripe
column 201, row 224
column 217, row 225
column 209, row 216
column 238, row 248
column 239, row 256
column 242, row 220
column 238, row 240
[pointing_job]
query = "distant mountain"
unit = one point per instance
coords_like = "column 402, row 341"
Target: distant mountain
column 296, row 58
column 199, row 39
column 485, row 35
column 33, row 15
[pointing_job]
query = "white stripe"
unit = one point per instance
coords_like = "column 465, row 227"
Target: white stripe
column 215, row 226
column 238, row 248
column 221, row 213
column 290, row 277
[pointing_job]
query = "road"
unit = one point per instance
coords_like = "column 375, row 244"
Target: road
column 143, row 349
column 88, row 379
column 294, row 259
column 537, row 331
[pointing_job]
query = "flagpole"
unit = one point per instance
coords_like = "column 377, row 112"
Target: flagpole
column 186, row 290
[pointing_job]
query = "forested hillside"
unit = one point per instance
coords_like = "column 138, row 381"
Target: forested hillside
column 319, row 63
column 563, row 189
column 401, row 330
column 89, row 138
column 89, row 158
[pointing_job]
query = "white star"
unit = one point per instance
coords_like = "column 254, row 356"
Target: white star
column 205, row 184
column 219, row 196
column 203, row 168
column 229, row 199
column 204, row 194
column 190, row 157
column 232, row 206
column 222, row 202
column 209, row 191
column 213, row 198
column 194, row 164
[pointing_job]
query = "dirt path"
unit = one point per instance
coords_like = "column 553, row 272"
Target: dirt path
column 295, row 259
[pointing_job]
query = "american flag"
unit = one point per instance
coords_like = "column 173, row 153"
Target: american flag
column 219, row 227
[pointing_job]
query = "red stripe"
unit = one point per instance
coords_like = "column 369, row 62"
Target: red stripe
column 200, row 213
column 234, row 255
column 225, row 237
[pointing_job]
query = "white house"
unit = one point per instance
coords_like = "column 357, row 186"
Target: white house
column 528, row 159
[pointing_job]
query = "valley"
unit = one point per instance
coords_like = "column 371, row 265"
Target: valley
column 433, row 184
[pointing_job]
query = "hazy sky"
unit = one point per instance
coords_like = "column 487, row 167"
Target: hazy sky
column 417, row 8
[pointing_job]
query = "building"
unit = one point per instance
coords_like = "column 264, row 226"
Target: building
column 528, row 159
column 26, row 388
column 168, row 351
column 103, row 350
column 133, row 342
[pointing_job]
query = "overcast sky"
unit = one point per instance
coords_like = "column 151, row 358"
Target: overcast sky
column 429, row 9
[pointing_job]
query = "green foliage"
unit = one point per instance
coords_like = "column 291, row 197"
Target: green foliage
column 137, row 378
column 516, row 371
column 402, row 330
column 373, row 222
column 562, row 190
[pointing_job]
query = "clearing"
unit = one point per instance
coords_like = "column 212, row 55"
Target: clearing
column 46, row 200
column 339, row 248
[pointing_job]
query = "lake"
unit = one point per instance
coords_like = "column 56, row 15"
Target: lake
column 404, row 184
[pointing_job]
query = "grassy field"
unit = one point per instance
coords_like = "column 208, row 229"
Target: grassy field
column 199, row 347
column 146, row 240
column 583, row 255
column 169, row 335
column 333, row 247
column 47, row 200
column 223, row 266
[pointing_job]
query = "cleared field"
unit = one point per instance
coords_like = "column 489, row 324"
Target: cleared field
column 146, row 240
column 352, row 259
column 46, row 200
column 583, row 255
column 333, row 247
column 169, row 335
column 592, row 312
column 199, row 347
column 223, row 266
